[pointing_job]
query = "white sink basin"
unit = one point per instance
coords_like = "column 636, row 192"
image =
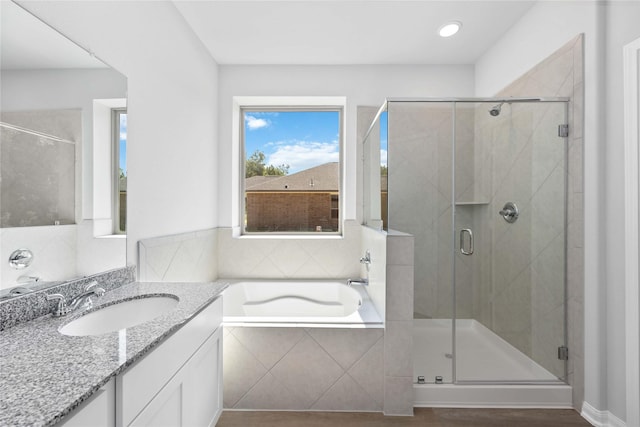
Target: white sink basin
column 120, row 315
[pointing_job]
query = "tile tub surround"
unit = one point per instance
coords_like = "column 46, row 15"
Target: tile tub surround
column 45, row 374
column 185, row 257
column 33, row 305
column 318, row 369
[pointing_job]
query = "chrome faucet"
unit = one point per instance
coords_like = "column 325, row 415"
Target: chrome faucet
column 363, row 282
column 84, row 299
column 366, row 259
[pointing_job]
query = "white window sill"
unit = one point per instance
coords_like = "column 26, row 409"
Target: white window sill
column 309, row 236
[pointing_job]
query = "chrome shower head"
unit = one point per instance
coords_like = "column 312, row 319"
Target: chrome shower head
column 495, row 110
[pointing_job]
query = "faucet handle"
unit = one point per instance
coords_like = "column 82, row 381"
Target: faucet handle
column 366, row 259
column 61, row 307
column 91, row 284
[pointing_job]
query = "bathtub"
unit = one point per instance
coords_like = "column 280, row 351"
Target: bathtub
column 329, row 303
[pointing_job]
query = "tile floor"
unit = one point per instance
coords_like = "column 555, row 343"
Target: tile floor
column 424, row 417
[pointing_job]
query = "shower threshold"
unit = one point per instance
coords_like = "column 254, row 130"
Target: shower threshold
column 495, row 373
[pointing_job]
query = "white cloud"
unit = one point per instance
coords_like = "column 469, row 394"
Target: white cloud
column 254, row 123
column 301, row 155
column 383, row 157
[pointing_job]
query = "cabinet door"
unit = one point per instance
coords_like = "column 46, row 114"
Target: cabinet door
column 98, row 411
column 193, row 397
column 202, row 404
column 142, row 381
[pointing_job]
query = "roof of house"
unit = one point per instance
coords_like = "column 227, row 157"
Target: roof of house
column 325, row 177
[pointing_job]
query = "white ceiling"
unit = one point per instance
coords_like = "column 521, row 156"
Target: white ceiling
column 28, row 43
column 348, row 31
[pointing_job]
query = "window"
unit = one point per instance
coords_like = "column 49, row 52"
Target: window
column 291, row 169
column 119, row 170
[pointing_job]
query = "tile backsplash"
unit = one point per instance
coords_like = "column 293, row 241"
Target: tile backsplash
column 279, row 257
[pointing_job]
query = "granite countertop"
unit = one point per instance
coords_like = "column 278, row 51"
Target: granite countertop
column 44, row 375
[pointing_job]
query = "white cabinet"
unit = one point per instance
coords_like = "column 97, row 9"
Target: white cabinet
column 192, row 396
column 98, row 411
column 178, row 383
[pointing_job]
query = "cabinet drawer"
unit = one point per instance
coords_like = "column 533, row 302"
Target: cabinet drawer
column 137, row 386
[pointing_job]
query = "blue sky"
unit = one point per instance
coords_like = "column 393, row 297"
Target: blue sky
column 123, row 142
column 300, row 139
column 384, row 131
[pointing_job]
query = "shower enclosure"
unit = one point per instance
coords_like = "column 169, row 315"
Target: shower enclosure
column 481, row 185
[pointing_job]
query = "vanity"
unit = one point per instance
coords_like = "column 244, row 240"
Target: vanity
column 165, row 371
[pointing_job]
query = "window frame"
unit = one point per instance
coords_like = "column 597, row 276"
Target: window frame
column 333, row 104
column 115, row 169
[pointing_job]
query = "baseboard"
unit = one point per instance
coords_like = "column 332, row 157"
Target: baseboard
column 600, row 418
column 492, row 396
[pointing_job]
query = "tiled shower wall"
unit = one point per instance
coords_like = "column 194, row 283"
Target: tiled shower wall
column 524, row 298
column 420, row 192
column 560, row 75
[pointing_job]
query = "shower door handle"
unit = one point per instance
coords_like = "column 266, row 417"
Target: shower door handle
column 468, row 251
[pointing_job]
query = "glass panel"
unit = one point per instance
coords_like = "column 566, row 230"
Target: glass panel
column 510, row 237
column 122, row 172
column 372, row 129
column 292, row 170
column 420, row 189
column 384, row 170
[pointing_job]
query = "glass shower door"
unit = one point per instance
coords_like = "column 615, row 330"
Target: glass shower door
column 419, row 200
column 509, row 236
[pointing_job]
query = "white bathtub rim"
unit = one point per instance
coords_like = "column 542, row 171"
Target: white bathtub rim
column 366, row 317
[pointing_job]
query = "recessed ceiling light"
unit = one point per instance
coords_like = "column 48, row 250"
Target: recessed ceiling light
column 449, row 29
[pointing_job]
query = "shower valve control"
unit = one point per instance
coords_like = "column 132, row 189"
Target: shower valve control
column 510, row 212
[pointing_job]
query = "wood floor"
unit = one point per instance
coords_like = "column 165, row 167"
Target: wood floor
column 424, row 417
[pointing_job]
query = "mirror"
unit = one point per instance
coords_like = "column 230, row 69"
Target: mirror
column 62, row 159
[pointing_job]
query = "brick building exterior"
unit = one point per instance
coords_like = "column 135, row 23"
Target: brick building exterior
column 300, row 202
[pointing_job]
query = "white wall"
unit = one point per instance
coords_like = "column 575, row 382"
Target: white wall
column 172, row 108
column 546, row 27
column 622, row 27
column 362, row 85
